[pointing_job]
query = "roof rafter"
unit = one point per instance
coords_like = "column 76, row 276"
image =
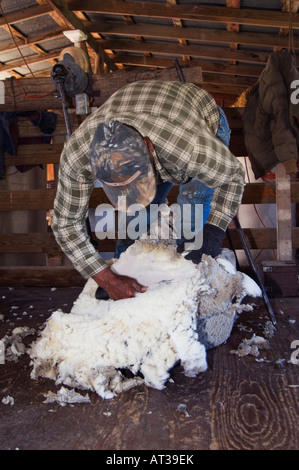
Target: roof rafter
column 25, row 42
column 73, row 22
column 199, row 51
column 10, row 66
column 134, row 34
column 28, row 14
column 8, row 23
column 178, row 24
column 187, row 12
column 233, row 26
column 190, row 33
column 207, row 66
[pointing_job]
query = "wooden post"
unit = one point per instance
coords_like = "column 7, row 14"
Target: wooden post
column 284, row 215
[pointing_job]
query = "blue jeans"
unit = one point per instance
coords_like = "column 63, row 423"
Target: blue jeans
column 193, row 192
column 224, row 131
column 161, row 193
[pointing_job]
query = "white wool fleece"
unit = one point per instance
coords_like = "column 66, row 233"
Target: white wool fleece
column 130, row 333
column 173, row 321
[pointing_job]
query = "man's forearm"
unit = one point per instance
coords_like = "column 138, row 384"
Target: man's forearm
column 74, row 242
column 118, row 287
column 225, row 204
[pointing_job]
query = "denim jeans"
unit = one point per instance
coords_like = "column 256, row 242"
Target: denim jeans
column 161, row 193
column 193, row 192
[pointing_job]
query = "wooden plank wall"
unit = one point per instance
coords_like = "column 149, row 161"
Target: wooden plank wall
column 59, row 271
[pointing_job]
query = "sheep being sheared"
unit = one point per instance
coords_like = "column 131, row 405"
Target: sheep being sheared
column 185, row 310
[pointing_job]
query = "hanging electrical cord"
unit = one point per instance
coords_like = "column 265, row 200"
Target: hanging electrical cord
column 33, row 97
column 30, row 97
column 14, row 40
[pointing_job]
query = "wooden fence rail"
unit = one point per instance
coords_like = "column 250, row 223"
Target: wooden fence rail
column 43, row 199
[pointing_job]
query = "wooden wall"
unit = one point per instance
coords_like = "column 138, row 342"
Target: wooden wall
column 55, row 269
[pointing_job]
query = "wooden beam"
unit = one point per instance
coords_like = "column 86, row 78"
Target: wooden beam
column 50, row 153
column 211, row 80
column 219, row 91
column 68, row 276
column 233, row 26
column 190, row 33
column 28, row 243
column 106, row 84
column 73, row 22
column 39, row 199
column 255, row 193
column 18, row 36
column 287, row 32
column 236, row 81
column 35, row 59
column 260, row 239
column 248, row 70
column 178, row 24
column 284, row 215
column 25, row 42
column 138, row 37
column 27, row 14
column 147, row 30
column 198, row 51
column 41, row 276
column 209, row 14
column 35, row 155
column 294, row 5
column 17, row 243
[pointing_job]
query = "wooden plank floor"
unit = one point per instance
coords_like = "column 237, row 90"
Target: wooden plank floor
column 239, row 403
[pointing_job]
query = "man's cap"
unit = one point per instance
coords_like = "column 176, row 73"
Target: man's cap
column 120, row 160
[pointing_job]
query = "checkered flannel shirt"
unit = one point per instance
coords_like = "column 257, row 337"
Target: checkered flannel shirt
column 181, row 120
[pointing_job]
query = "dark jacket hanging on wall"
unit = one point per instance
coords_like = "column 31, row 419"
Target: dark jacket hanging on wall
column 9, row 132
column 270, row 124
column 8, row 137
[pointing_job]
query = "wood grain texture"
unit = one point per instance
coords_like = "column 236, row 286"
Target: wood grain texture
column 103, row 87
column 46, row 243
column 284, row 214
column 29, row 243
column 40, row 276
column 237, row 404
column 261, row 412
column 39, row 199
column 187, row 12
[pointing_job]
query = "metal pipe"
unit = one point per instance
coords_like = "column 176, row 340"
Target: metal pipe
column 253, row 266
column 179, row 70
column 61, row 91
column 59, row 75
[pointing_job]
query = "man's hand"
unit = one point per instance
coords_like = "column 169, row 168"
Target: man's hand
column 118, row 287
column 212, row 243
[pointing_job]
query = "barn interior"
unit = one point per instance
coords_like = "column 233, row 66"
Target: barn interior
column 242, row 402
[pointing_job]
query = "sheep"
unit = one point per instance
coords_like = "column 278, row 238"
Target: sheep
column 108, row 346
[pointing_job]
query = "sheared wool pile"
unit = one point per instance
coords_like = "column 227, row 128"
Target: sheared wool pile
column 185, row 310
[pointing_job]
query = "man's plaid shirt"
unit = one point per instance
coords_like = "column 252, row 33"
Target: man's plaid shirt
column 181, row 120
